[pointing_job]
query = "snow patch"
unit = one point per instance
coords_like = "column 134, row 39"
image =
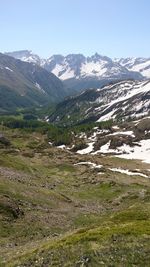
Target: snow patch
column 93, row 165
column 108, row 116
column 8, row 69
column 61, row 147
column 87, row 150
column 128, row 172
column 129, row 133
column 140, row 151
column 39, row 87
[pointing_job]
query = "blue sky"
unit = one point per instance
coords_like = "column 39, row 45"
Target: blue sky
column 116, row 28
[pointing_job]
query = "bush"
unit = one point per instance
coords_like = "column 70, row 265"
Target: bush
column 60, row 136
column 29, row 117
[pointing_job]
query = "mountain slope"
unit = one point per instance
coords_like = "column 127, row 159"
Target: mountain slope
column 118, row 101
column 26, row 84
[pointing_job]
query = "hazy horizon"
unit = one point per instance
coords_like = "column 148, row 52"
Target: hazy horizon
column 71, row 53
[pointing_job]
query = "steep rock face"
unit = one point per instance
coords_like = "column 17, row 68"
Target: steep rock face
column 119, row 100
column 25, row 84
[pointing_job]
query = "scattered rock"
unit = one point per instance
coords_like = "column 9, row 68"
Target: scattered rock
column 4, row 141
column 84, row 261
column 10, row 207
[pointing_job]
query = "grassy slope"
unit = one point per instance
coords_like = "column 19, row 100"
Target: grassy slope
column 53, row 213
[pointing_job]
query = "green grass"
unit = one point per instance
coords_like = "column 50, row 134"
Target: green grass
column 68, row 212
column 98, row 192
column 91, row 242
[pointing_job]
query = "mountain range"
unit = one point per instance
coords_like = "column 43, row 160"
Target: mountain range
column 79, row 72
column 117, row 88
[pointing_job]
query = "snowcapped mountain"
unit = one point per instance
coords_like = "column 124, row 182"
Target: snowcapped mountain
column 141, row 65
column 78, row 66
column 79, row 72
column 121, row 100
column 27, row 56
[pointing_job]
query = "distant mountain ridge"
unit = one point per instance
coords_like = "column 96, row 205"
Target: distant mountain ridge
column 141, row 65
column 24, row 84
column 79, row 72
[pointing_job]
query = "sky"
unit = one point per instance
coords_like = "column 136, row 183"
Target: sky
column 116, row 28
